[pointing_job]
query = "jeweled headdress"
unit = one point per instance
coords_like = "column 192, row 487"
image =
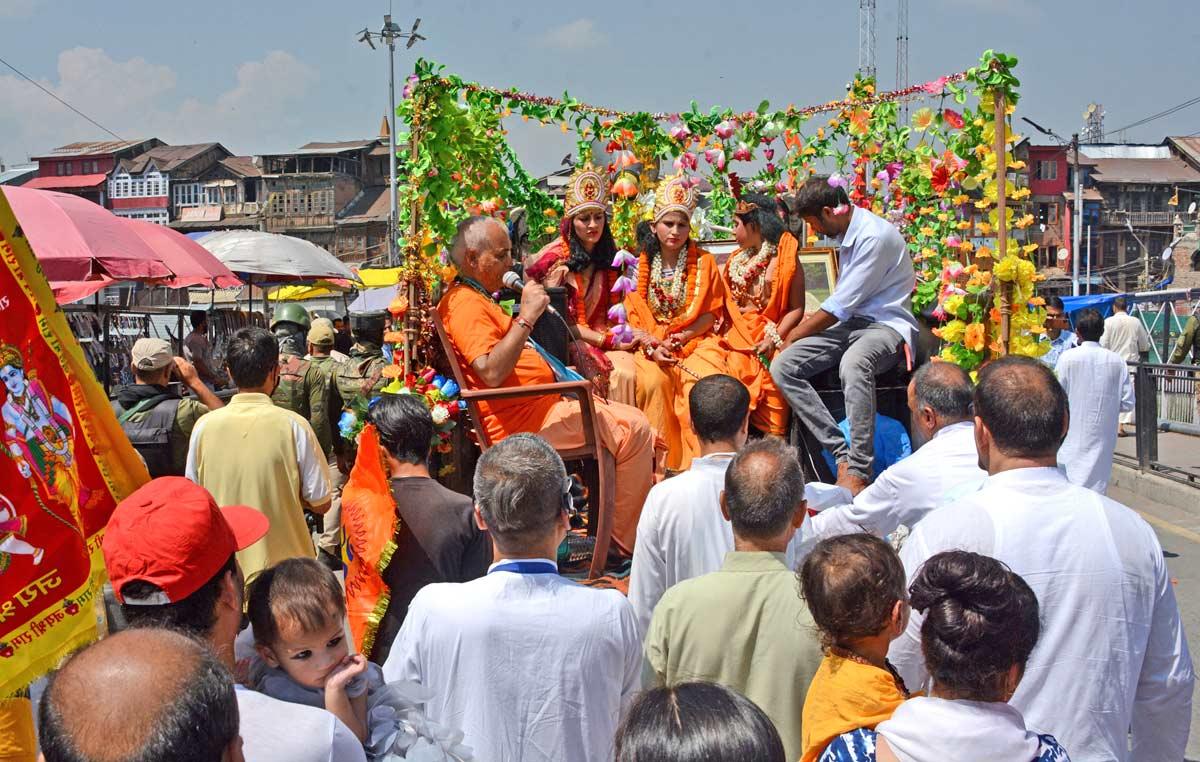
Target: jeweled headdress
column 674, row 194
column 587, row 189
column 10, row 355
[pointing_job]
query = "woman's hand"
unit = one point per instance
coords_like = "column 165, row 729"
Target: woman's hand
column 766, row 347
column 662, row 354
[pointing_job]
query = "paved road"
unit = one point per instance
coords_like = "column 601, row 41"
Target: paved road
column 1179, row 533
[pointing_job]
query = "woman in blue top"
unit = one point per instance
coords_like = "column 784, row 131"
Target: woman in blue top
column 981, row 624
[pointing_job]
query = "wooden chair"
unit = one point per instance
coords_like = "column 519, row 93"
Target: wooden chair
column 597, row 463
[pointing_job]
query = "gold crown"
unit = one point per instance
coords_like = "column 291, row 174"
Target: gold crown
column 587, row 189
column 10, row 355
column 674, row 194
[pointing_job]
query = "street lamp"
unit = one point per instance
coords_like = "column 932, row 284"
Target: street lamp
column 389, row 34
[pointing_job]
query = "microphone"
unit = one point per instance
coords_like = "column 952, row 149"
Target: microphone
column 513, row 281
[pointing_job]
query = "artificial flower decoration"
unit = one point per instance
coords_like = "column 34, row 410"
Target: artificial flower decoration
column 953, row 118
column 923, row 119
column 625, row 186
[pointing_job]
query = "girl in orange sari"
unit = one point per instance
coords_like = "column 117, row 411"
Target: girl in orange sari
column 764, row 300
column 678, row 296
column 581, row 259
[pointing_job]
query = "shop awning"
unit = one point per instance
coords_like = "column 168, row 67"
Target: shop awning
column 66, row 181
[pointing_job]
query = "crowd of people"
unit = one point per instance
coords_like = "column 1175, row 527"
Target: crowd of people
column 981, row 598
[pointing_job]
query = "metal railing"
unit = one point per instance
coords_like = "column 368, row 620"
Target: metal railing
column 1166, row 401
column 1120, row 217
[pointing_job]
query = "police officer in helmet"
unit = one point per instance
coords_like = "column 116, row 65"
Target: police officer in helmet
column 302, row 386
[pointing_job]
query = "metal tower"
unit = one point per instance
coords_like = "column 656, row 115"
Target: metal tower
column 866, row 38
column 902, row 52
column 1093, row 127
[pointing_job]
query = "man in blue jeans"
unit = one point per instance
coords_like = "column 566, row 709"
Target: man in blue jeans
column 860, row 328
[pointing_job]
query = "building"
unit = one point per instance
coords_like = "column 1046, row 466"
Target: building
column 223, row 197
column 17, row 174
column 83, row 168
column 154, row 185
column 1140, row 186
column 333, row 194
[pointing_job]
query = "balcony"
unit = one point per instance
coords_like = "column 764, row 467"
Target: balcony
column 1118, row 217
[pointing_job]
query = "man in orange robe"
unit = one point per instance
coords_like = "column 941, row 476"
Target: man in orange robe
column 764, row 300
column 494, row 350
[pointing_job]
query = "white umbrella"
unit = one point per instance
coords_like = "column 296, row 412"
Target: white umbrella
column 276, row 258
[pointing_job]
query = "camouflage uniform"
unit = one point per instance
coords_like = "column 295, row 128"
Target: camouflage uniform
column 302, row 389
column 360, row 376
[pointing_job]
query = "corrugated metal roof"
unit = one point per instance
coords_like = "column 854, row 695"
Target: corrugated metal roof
column 1189, row 146
column 166, row 158
column 66, row 181
column 1145, row 171
column 17, row 175
column 1123, row 151
column 370, row 205
column 93, row 147
column 242, row 165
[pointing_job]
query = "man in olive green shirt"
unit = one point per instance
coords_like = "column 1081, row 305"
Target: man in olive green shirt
column 1188, row 341
column 138, row 407
column 745, row 625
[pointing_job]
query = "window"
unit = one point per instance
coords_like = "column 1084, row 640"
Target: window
column 69, row 169
column 1047, row 170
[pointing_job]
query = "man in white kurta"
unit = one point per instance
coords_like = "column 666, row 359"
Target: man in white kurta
column 1112, row 659
column 681, row 533
column 1128, row 337
column 1099, row 390
column 529, row 665
column 939, row 400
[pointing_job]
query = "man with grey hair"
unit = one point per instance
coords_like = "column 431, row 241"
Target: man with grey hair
column 944, row 463
column 494, row 349
column 744, row 626
column 530, row 665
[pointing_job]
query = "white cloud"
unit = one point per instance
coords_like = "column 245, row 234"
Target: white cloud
column 138, row 99
column 580, row 34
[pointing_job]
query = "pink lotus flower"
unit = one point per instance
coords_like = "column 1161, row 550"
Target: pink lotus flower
column 693, row 181
column 725, row 130
column 616, row 313
column 951, row 271
column 837, row 181
column 624, row 259
column 742, row 153
column 768, row 153
column 781, row 187
column 953, row 242
column 936, row 86
column 624, row 286
column 770, row 168
column 679, row 132
column 715, row 156
column 894, row 169
column 883, row 176
column 622, row 333
column 841, row 209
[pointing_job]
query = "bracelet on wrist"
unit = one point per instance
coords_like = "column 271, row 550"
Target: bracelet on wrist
column 523, row 323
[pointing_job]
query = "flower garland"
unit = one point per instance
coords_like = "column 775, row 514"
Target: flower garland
column 747, row 270
column 663, row 303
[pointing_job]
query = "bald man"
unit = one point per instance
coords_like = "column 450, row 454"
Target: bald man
column 495, row 350
column 146, row 694
column 944, row 465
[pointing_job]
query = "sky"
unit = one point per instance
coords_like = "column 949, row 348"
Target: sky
column 267, row 76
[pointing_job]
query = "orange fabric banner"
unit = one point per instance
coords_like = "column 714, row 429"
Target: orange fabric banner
column 64, row 465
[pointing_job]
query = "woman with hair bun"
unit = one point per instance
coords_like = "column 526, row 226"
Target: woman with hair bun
column 697, row 722
column 981, row 624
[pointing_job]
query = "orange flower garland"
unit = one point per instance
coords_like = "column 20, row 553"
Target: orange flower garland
column 690, row 264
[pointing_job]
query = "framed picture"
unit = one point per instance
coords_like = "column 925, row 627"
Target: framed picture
column 820, row 268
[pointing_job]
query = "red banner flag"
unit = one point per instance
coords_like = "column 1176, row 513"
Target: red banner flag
column 64, row 465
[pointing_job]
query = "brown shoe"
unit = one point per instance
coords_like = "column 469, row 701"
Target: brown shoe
column 851, row 482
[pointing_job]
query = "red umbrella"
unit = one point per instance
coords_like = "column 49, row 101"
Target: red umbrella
column 82, row 247
column 192, row 264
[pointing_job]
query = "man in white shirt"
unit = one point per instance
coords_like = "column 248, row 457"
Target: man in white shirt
column 1098, row 390
column 681, row 533
column 860, row 328
column 939, row 399
column 1128, row 337
column 1113, row 658
column 531, row 666
column 170, row 553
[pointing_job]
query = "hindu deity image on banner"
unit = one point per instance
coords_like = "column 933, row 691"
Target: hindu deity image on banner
column 64, row 465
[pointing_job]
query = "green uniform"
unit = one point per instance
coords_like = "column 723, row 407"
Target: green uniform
column 361, row 375
column 304, row 390
column 333, row 400
column 1188, row 341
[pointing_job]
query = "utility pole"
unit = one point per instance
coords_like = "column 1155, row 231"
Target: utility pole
column 902, row 54
column 1078, row 236
column 389, row 34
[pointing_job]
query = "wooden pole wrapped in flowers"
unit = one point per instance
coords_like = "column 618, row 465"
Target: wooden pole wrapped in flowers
column 940, row 177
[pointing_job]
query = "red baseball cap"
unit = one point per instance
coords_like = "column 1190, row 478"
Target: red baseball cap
column 171, row 533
